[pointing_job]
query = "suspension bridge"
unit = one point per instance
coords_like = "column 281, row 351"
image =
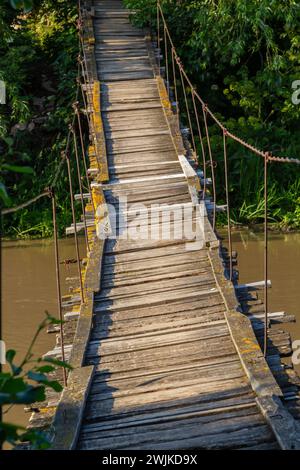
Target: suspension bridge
column 168, row 350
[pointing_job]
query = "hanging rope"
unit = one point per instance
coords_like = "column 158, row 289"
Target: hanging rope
column 166, row 61
column 85, row 107
column 175, row 88
column 158, row 37
column 67, row 158
column 266, row 254
column 84, row 155
column 211, row 166
column 58, row 289
column 80, row 190
column 228, row 208
column 187, row 110
column 201, row 141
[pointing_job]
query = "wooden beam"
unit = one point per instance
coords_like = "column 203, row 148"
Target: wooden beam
column 284, row 426
column 69, row 413
column 192, row 179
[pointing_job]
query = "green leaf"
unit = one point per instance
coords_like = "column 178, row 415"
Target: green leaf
column 38, row 439
column 16, row 370
column 41, row 378
column 37, row 377
column 9, row 433
column 52, row 320
column 13, row 386
column 10, row 355
column 5, row 398
column 45, row 369
column 55, row 385
column 3, row 377
column 3, row 195
column 31, row 395
column 57, row 362
column 15, row 434
column 18, row 169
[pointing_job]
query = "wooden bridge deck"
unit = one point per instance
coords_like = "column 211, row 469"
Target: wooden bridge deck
column 162, row 357
column 168, row 374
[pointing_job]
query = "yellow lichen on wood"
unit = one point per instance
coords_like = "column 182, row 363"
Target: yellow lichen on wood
column 98, row 197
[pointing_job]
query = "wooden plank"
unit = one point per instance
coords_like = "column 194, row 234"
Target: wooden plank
column 140, row 402
column 162, row 416
column 201, row 399
column 285, row 428
column 155, row 286
column 152, row 359
column 192, row 433
column 155, row 324
column 192, row 179
column 70, row 409
column 154, row 299
column 177, row 306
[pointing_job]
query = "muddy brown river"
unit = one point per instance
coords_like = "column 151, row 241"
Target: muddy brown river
column 28, row 285
column 28, row 290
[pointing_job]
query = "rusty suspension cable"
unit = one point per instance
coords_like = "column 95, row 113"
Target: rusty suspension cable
column 188, row 112
column 201, row 142
column 80, row 190
column 84, row 157
column 175, row 89
column 228, row 207
column 67, row 158
column 58, row 288
column 266, row 254
column 211, row 165
column 166, row 61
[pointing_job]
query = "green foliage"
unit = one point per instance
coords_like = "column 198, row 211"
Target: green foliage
column 26, row 384
column 38, row 63
column 243, row 57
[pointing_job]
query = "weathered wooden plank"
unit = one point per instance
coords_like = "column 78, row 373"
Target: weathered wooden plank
column 136, row 409
column 185, row 436
column 162, row 298
column 199, row 308
column 186, row 412
column 154, row 286
column 144, row 278
column 70, row 410
column 285, row 428
column 116, row 76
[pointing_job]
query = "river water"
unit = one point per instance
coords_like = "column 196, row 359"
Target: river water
column 28, row 290
column 28, row 285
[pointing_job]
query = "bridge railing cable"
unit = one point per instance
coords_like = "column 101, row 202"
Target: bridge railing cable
column 199, row 130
